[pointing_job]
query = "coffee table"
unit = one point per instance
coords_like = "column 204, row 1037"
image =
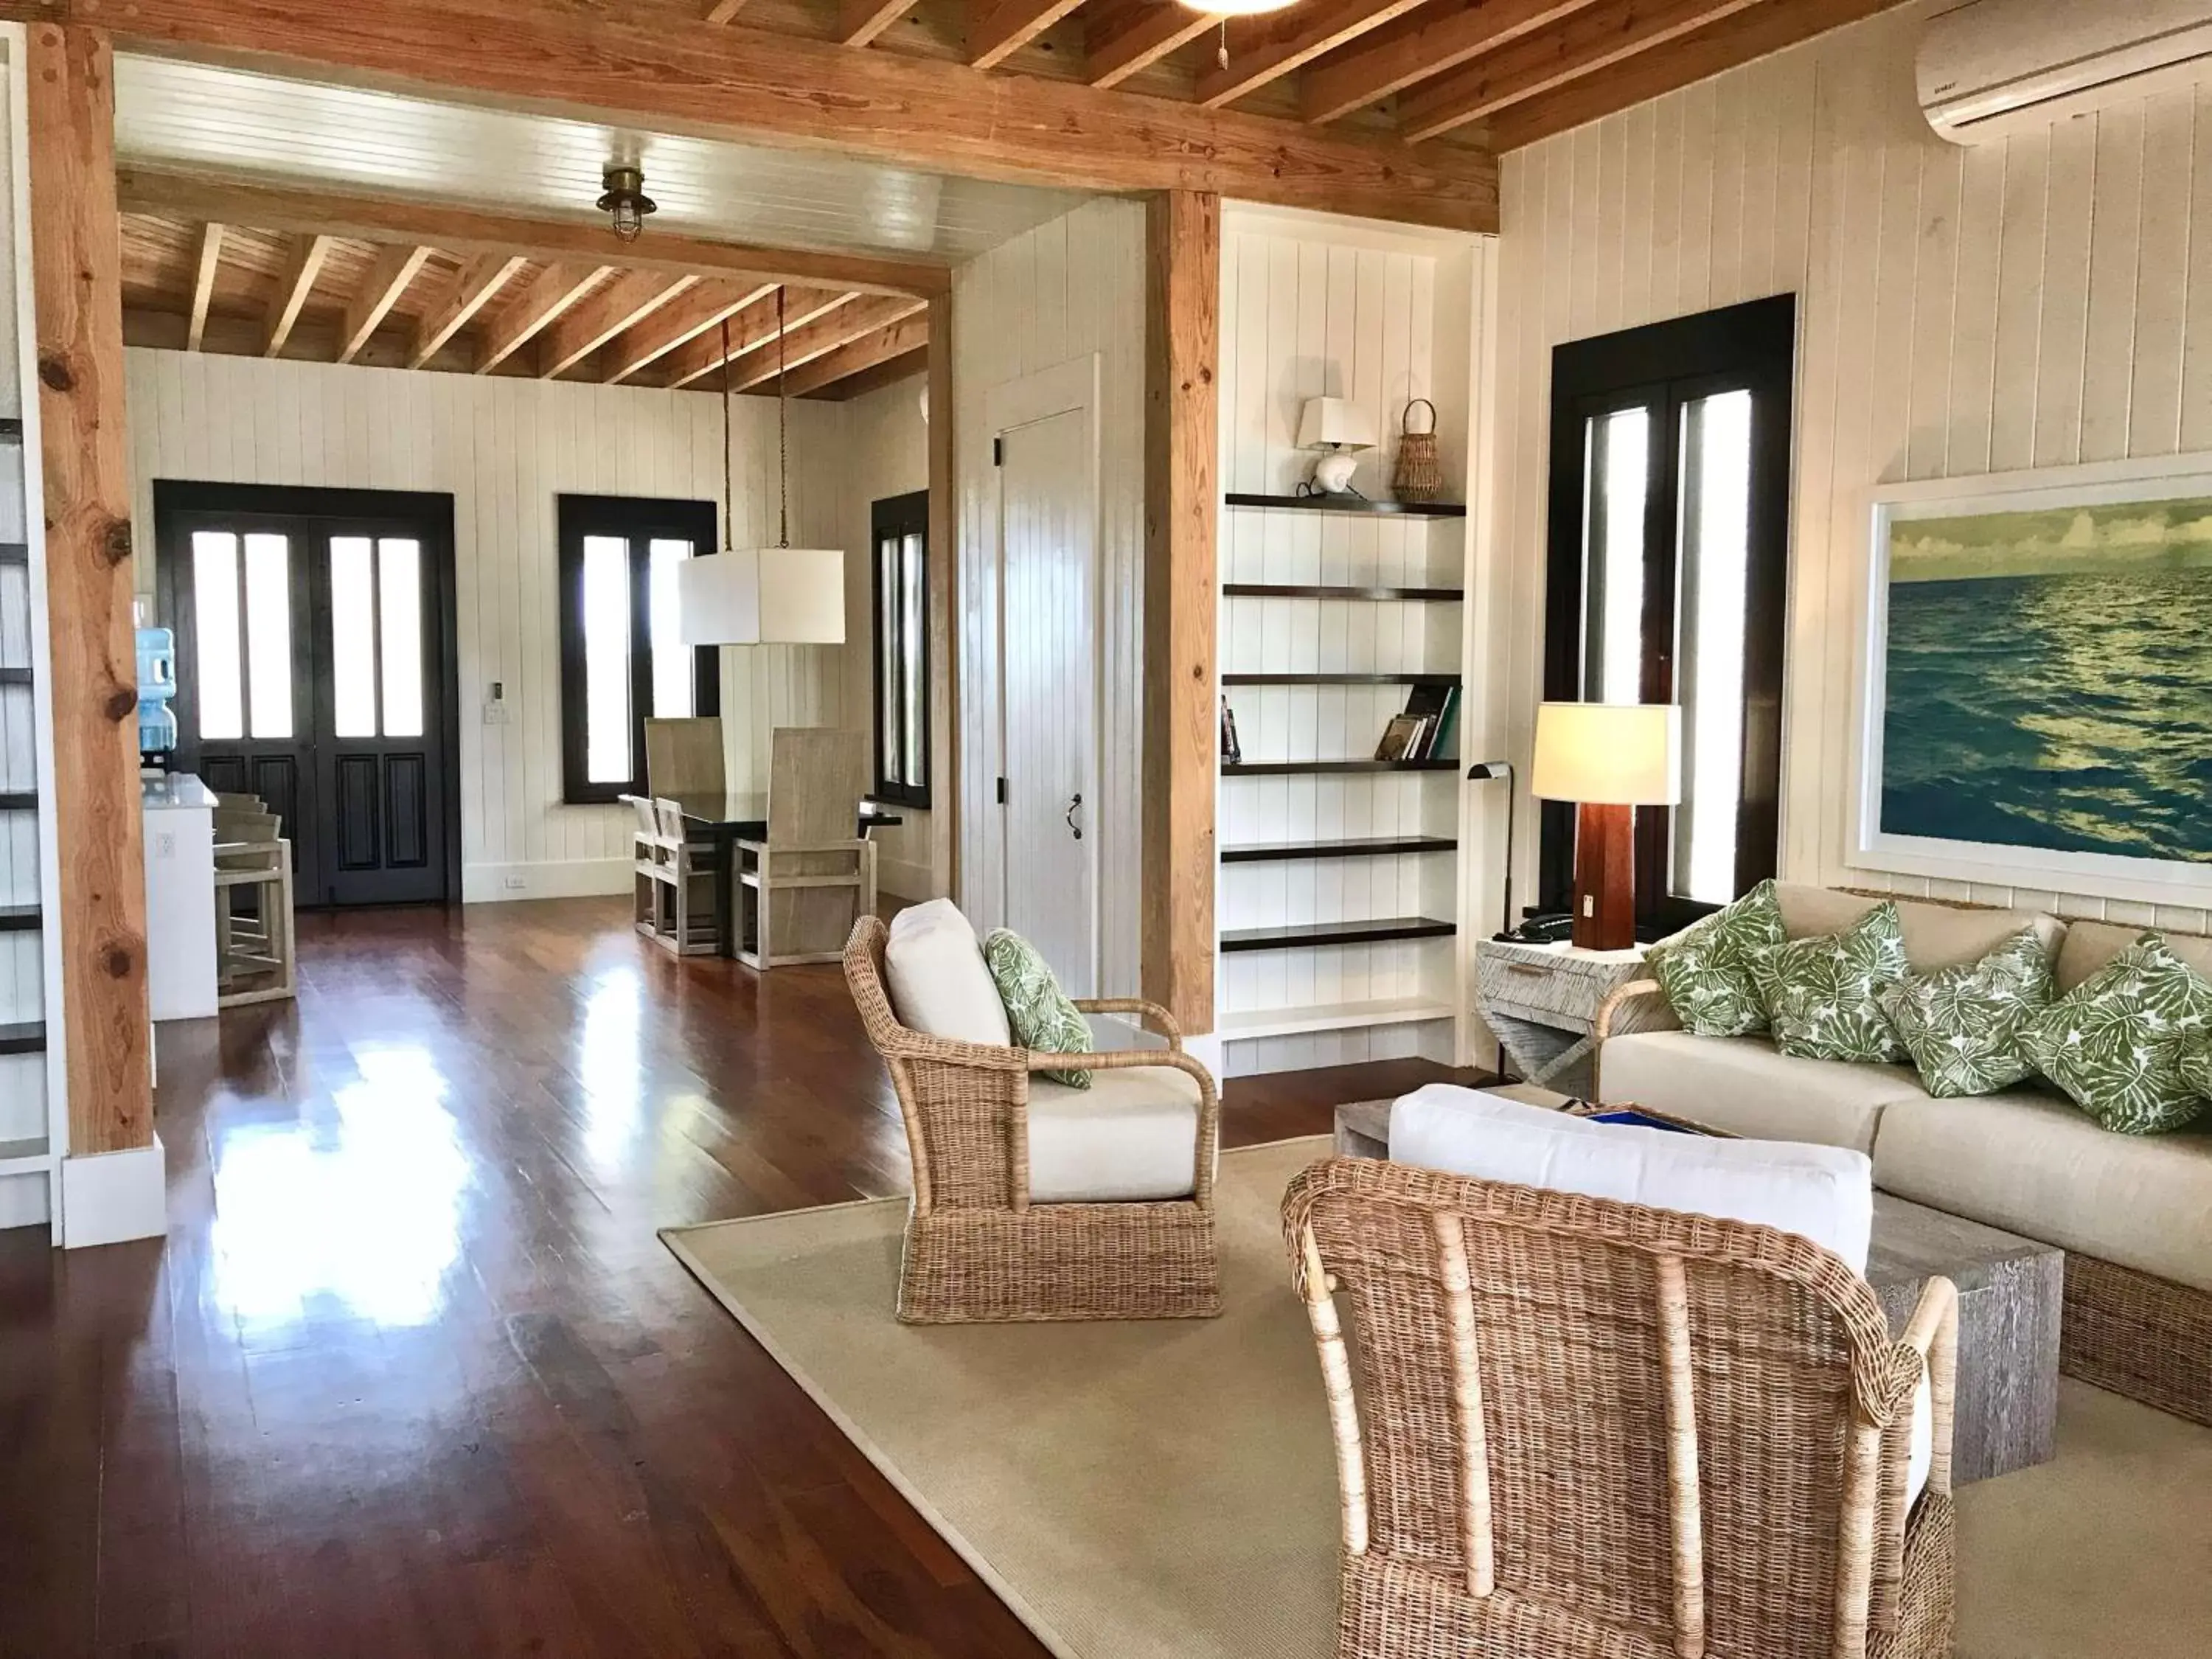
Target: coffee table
column 2010, row 1292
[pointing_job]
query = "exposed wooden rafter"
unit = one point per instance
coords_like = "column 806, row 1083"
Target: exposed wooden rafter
column 302, row 264
column 550, row 294
column 908, row 334
column 1140, row 39
column 803, row 343
column 703, row 308
column 479, row 282
column 889, row 371
column 859, row 21
column 722, row 10
column 1337, row 88
column 387, row 279
column 996, row 33
column 754, row 326
column 1267, row 47
column 210, row 261
column 622, row 303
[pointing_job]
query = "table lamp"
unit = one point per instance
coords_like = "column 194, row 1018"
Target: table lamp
column 1609, row 758
column 1339, row 428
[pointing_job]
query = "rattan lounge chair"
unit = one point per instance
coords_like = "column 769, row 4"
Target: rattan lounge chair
column 976, row 1248
column 1580, row 1428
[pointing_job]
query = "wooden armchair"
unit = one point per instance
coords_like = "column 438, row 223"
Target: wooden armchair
column 977, row 1248
column 1580, row 1427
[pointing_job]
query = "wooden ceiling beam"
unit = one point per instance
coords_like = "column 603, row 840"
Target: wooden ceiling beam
column 1343, row 85
column 750, row 329
column 550, row 294
column 802, row 343
column 1265, row 48
column 996, row 33
column 1593, row 40
column 387, row 279
column 1112, row 55
column 204, row 283
column 908, row 333
column 859, row 21
column 674, row 72
column 1710, row 51
column 701, row 309
column 479, row 280
column 302, row 264
column 620, row 304
column 889, row 371
column 722, row 10
column 469, row 231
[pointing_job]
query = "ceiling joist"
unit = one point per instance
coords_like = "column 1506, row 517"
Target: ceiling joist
column 1140, row 40
column 549, row 294
column 996, row 33
column 210, row 260
column 703, row 308
column 803, row 343
column 479, row 281
column 908, row 334
column 859, row 21
column 387, row 279
column 1265, row 48
column 1337, row 88
column 620, row 304
column 754, row 326
column 302, row 264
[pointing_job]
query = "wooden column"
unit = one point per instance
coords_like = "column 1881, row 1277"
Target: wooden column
column 944, row 608
column 1181, row 501
column 77, row 284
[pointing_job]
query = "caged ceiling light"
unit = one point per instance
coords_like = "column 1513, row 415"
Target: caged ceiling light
column 1236, row 8
column 625, row 202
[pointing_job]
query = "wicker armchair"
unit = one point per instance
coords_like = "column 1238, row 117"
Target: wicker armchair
column 1583, row 1428
column 976, row 1248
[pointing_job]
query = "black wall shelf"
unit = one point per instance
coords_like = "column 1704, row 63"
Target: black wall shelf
column 15, row 677
column 1363, row 847
column 14, row 553
column 1328, row 591
column 18, row 800
column 1281, row 769
column 11, row 430
column 1336, row 933
column 19, row 918
column 1339, row 679
column 27, row 1038
column 1350, row 504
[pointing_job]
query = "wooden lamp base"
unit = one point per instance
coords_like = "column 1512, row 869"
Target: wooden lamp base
column 1604, row 878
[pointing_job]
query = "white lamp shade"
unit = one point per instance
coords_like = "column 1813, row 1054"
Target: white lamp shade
column 1608, row 754
column 1334, row 423
column 763, row 596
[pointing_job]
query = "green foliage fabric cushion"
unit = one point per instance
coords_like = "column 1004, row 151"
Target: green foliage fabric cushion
column 1821, row 992
column 1708, row 970
column 1966, row 1027
column 1043, row 1018
column 2125, row 1042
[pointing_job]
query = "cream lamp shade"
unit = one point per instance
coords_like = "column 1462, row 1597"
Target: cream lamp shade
column 1334, row 423
column 1608, row 754
column 763, row 596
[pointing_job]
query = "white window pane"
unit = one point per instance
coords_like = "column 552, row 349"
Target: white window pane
column 269, row 632
column 673, row 680
column 353, row 636
column 887, row 657
column 1711, row 598
column 1620, row 445
column 399, row 622
column 913, row 635
column 606, row 659
column 222, row 686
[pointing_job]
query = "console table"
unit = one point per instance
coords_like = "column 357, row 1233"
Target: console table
column 1541, row 1001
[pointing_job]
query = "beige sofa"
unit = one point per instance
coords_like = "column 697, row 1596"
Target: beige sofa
column 2133, row 1214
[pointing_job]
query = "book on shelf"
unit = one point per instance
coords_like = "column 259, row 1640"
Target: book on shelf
column 1233, row 751
column 1401, row 739
column 1437, row 708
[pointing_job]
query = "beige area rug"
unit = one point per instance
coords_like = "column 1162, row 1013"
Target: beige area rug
column 1165, row 1491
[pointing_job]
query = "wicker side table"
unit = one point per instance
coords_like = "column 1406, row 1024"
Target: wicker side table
column 1540, row 1002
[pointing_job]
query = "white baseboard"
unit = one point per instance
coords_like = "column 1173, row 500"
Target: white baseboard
column 486, row 884
column 109, row 1197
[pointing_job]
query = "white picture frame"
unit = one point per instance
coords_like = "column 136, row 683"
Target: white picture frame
column 2150, row 880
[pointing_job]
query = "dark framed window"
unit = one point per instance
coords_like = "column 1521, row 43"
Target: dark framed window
column 1668, row 569
column 899, row 533
column 621, row 659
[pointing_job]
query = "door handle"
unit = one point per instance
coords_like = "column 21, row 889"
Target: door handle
column 1074, row 828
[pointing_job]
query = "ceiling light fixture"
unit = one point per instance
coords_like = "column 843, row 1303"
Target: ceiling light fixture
column 625, row 202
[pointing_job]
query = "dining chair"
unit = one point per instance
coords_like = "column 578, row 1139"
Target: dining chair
column 256, row 953
column 652, row 906
column 801, row 889
column 685, row 757
column 685, row 869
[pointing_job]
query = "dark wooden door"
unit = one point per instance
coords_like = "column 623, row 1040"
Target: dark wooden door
column 315, row 652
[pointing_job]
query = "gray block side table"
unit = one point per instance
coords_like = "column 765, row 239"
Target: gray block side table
column 1541, row 1001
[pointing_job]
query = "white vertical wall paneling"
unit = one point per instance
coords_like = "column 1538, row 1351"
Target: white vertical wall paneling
column 2034, row 302
column 504, row 448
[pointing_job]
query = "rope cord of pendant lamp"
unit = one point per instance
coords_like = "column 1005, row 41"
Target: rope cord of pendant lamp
column 782, row 435
column 729, row 496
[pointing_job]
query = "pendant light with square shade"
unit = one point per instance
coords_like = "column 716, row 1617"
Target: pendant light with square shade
column 780, row 595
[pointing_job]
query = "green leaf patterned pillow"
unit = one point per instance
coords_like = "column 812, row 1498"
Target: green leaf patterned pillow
column 2121, row 1042
column 1043, row 1019
column 1707, row 971
column 1820, row 992
column 1965, row 1027
column 2197, row 1064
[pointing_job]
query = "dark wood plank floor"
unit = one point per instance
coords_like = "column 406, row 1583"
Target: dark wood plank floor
column 413, row 1375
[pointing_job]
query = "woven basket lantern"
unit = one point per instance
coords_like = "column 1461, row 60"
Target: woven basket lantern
column 1420, row 475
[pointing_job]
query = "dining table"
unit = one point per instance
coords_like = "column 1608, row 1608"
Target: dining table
column 724, row 817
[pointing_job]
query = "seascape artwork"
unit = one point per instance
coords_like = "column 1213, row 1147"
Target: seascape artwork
column 2049, row 680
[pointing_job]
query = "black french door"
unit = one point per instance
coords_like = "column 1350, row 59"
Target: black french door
column 315, row 653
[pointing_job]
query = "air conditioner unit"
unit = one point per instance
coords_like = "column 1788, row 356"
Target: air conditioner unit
column 1990, row 68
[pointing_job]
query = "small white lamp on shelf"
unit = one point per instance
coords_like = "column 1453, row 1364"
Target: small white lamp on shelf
column 1339, row 429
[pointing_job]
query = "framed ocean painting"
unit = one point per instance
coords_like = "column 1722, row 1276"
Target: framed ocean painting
column 2037, row 692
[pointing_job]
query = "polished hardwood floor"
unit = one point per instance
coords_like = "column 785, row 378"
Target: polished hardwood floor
column 412, row 1374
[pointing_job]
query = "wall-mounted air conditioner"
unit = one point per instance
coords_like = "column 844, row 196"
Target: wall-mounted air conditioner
column 1990, row 68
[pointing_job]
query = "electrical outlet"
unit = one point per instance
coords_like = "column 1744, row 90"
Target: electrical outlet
column 164, row 844
column 514, row 883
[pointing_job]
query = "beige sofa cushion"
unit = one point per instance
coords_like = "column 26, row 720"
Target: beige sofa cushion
column 1132, row 1135
column 1935, row 935
column 2032, row 1163
column 1742, row 1085
column 2091, row 945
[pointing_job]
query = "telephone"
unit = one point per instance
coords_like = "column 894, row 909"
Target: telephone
column 1545, row 928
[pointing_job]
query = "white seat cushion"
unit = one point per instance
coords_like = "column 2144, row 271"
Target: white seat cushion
column 939, row 984
column 1746, row 1086
column 1824, row 1194
column 2031, row 1162
column 1131, row 1136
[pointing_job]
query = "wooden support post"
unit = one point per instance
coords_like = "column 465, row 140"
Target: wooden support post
column 1182, row 726
column 944, row 595
column 77, row 285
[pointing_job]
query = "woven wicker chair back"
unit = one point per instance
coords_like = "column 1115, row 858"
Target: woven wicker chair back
column 1526, row 1367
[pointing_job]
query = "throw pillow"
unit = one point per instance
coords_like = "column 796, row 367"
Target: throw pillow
column 1820, row 992
column 1964, row 1027
column 1707, row 971
column 939, row 983
column 2120, row 1041
column 1043, row 1018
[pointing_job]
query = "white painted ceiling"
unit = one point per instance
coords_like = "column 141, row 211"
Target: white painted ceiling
column 209, row 120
